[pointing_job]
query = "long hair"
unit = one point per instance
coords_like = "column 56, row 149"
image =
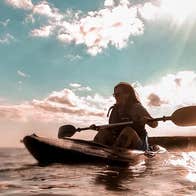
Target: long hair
column 127, row 88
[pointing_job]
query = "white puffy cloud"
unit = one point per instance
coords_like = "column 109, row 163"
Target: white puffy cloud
column 44, row 31
column 172, row 91
column 149, row 11
column 67, row 107
column 43, row 8
column 108, row 3
column 113, row 25
column 44, row 117
column 99, row 29
column 117, row 22
column 22, row 4
column 66, row 101
column 59, row 106
column 96, row 30
column 163, row 97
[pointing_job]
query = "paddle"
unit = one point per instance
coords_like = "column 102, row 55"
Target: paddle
column 185, row 116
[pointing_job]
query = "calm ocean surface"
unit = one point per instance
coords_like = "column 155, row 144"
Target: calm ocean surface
column 173, row 173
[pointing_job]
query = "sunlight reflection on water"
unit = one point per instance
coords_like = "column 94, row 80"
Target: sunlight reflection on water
column 172, row 173
column 138, row 169
column 188, row 161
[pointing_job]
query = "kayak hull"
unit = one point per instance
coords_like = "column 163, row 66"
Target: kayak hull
column 47, row 153
column 73, row 151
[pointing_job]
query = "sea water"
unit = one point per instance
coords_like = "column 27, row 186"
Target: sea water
column 173, row 173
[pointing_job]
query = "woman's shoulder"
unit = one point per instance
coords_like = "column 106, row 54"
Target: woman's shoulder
column 139, row 108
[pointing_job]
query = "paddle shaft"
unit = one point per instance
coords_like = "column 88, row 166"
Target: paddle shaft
column 185, row 116
column 101, row 127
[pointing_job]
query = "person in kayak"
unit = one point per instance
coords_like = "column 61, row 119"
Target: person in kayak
column 126, row 108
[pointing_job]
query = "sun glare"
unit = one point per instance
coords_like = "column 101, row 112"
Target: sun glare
column 187, row 161
column 180, row 10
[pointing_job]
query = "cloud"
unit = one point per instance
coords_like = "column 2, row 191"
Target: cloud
column 60, row 107
column 176, row 11
column 160, row 98
column 108, row 3
column 29, row 19
column 5, row 23
column 85, row 88
column 75, row 85
column 113, row 25
column 149, row 11
column 22, row 4
column 154, row 100
column 44, row 31
column 96, row 30
column 79, row 87
column 43, row 8
column 168, row 94
column 22, row 74
column 66, row 101
column 11, row 112
column 6, row 39
column 99, row 29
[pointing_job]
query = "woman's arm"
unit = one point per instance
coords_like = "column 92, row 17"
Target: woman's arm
column 142, row 115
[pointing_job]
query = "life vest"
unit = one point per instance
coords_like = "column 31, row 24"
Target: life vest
column 117, row 115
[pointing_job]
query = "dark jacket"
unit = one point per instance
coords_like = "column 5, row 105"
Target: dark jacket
column 118, row 115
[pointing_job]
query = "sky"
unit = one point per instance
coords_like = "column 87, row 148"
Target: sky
column 60, row 60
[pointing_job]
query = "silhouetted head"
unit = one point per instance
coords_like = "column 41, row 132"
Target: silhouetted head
column 124, row 94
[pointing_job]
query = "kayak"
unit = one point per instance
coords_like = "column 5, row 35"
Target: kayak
column 76, row 151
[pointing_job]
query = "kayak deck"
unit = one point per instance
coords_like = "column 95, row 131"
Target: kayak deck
column 68, row 150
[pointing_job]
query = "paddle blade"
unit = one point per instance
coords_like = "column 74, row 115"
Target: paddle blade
column 66, row 131
column 185, row 116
